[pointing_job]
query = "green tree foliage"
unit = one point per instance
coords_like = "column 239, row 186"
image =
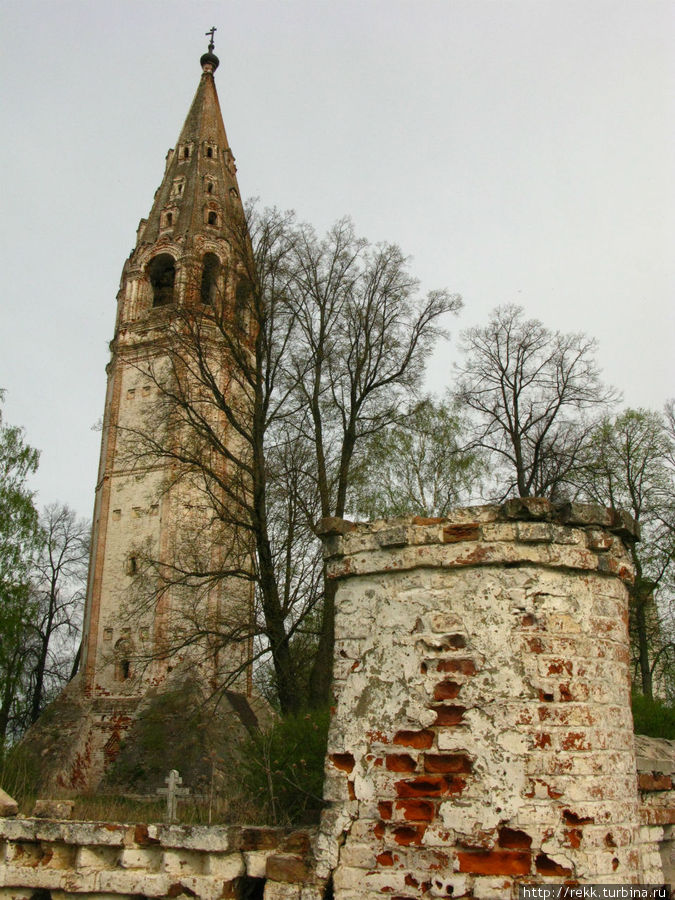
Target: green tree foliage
column 654, row 718
column 629, row 465
column 530, row 392
column 20, row 538
column 418, row 465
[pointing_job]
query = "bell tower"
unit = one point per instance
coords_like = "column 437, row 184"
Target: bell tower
column 187, row 265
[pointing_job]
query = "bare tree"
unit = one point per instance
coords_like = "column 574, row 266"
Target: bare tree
column 531, row 391
column 363, row 335
column 264, row 396
column 59, row 583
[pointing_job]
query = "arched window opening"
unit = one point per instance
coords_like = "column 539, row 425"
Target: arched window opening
column 186, row 153
column 123, row 670
column 213, row 218
column 162, row 273
column 209, row 188
column 209, row 152
column 242, row 302
column 209, row 284
column 169, row 219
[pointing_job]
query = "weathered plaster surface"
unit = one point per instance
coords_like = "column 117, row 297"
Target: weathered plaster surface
column 93, row 859
column 482, row 735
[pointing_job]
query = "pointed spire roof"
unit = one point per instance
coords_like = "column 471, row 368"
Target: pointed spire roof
column 199, row 193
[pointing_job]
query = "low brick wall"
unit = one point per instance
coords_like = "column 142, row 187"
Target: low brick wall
column 105, row 861
column 656, row 784
column 483, row 733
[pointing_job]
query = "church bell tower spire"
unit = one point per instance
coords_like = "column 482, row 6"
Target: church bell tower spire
column 185, row 261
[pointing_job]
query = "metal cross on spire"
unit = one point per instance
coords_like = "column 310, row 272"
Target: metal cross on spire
column 210, row 34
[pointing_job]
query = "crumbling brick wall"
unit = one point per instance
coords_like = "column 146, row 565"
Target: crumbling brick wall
column 483, row 733
column 107, row 861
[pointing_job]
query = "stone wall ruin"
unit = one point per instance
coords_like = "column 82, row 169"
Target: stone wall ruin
column 483, row 733
column 481, row 739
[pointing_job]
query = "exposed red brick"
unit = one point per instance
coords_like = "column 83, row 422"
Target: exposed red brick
column 575, row 740
column 286, row 868
column 546, row 696
column 609, row 840
column 432, row 786
column 649, row 782
column 461, row 666
column 552, row 792
column 351, row 790
column 401, row 762
column 528, row 620
column 447, row 762
column 449, row 715
column 615, row 864
column 423, row 668
column 420, row 740
column 409, row 834
column 571, row 818
column 180, row 890
column 542, row 740
column 343, row 761
column 512, row 839
column 535, row 645
column 546, row 866
column 142, row 837
column 558, row 666
column 573, row 837
column 411, row 881
column 452, row 534
column 565, row 693
column 417, row 810
column 446, row 690
column 377, row 737
column 494, row 862
column 378, row 830
column 384, row 807
column 386, row 858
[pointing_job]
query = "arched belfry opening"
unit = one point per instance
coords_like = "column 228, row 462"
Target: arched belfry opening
column 209, row 285
column 162, row 274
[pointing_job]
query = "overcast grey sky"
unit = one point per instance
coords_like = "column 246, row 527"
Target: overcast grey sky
column 520, row 150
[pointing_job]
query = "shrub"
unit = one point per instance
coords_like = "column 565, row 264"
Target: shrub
column 653, row 717
column 283, row 768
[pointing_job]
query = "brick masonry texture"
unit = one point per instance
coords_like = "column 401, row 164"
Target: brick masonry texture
column 93, row 859
column 483, row 700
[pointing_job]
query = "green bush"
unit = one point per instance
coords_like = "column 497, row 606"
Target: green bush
column 653, row 717
column 283, row 768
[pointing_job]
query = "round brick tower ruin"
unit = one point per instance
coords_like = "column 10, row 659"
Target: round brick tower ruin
column 482, row 736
